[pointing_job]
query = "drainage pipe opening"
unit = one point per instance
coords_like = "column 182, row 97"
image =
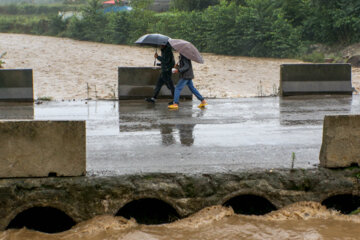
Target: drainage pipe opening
column 43, row 219
column 345, row 203
column 250, row 205
column 149, row 211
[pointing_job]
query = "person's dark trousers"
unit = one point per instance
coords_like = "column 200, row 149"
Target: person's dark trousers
column 165, row 78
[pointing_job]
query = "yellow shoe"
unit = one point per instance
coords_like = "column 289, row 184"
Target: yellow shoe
column 173, row 106
column 202, row 104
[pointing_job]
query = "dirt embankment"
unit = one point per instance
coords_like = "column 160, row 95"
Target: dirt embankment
column 63, row 68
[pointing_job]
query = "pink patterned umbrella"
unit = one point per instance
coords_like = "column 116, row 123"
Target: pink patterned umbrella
column 186, row 49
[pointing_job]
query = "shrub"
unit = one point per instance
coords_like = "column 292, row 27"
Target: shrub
column 191, row 5
column 315, row 57
column 2, row 62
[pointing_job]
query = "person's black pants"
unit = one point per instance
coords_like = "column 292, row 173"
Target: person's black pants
column 165, row 78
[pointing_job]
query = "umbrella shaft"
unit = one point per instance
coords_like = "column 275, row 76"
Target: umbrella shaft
column 155, row 58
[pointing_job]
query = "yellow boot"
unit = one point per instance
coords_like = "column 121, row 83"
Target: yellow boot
column 202, row 104
column 173, row 106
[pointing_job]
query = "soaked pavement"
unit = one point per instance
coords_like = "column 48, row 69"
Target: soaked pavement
column 129, row 137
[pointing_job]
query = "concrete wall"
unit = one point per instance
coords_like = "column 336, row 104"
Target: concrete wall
column 82, row 198
column 139, row 82
column 16, row 85
column 42, row 148
column 341, row 141
column 302, row 79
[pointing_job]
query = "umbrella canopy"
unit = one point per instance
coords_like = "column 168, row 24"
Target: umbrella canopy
column 186, row 49
column 154, row 39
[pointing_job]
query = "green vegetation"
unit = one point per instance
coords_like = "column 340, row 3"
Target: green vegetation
column 315, row 57
column 31, row 9
column 2, row 61
column 45, row 98
column 355, row 212
column 190, row 5
column 293, row 158
column 7, row 2
column 259, row 28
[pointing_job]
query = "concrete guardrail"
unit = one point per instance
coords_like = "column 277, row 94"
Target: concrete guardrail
column 16, row 85
column 139, row 82
column 341, row 141
column 302, row 79
column 42, row 148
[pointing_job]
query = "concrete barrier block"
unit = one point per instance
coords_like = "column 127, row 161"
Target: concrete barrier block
column 139, row 82
column 341, row 141
column 42, row 148
column 16, row 85
column 302, row 79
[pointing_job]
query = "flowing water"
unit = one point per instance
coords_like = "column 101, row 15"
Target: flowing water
column 303, row 220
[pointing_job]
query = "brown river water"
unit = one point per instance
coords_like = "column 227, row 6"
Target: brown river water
column 304, row 220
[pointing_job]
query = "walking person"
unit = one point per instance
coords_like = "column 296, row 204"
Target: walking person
column 184, row 68
column 167, row 63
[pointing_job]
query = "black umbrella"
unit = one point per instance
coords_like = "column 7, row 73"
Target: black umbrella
column 154, row 39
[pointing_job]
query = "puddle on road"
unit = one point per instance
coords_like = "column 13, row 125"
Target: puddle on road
column 230, row 134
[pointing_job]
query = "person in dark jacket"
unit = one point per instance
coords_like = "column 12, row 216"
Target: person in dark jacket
column 184, row 68
column 167, row 63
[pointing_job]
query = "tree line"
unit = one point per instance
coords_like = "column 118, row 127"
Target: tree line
column 259, row 28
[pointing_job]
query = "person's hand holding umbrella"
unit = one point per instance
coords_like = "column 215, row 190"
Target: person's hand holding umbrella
column 175, row 70
column 154, row 40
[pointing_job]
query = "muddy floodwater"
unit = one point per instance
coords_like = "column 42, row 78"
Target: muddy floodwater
column 304, row 220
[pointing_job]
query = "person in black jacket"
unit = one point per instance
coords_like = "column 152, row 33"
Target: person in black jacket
column 167, row 63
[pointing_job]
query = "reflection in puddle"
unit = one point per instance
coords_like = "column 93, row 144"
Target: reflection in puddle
column 134, row 117
column 185, row 134
column 16, row 110
column 310, row 110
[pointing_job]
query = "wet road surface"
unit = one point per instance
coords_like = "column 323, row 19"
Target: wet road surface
column 129, row 137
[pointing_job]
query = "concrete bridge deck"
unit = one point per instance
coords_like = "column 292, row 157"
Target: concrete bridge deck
column 130, row 137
